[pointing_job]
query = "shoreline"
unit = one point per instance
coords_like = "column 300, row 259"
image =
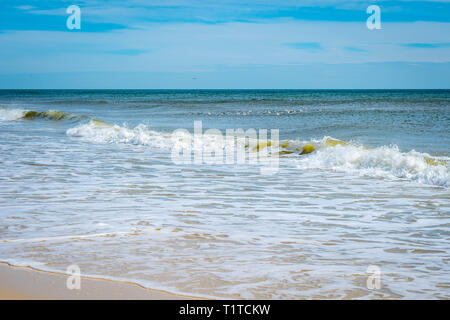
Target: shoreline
column 29, row 283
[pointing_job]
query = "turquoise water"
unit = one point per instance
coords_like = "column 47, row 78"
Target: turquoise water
column 107, row 196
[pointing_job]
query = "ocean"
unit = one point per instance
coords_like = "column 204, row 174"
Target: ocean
column 88, row 178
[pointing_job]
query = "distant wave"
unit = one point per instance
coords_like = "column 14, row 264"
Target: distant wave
column 11, row 114
column 18, row 114
column 76, row 102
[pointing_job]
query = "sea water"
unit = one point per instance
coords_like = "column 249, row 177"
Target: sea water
column 87, row 178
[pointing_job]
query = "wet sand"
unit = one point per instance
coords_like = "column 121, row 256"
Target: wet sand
column 26, row 283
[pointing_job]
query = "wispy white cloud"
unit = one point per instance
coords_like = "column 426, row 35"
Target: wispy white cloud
column 190, row 46
column 24, row 7
column 209, row 36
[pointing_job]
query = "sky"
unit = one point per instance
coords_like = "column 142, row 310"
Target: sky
column 224, row 44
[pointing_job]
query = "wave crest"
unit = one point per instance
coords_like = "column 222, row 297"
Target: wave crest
column 385, row 161
column 11, row 114
column 103, row 132
column 19, row 114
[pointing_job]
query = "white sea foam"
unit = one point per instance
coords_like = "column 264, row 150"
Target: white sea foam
column 11, row 114
column 102, row 132
column 385, row 161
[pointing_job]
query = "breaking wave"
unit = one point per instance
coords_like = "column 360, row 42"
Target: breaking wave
column 324, row 154
column 19, row 114
column 98, row 131
column 381, row 162
column 11, row 114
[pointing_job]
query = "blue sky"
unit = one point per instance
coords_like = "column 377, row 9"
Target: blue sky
column 224, row 44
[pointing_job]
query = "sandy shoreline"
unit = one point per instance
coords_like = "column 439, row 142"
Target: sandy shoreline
column 27, row 283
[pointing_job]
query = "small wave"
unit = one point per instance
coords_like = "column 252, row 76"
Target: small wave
column 19, row 114
column 51, row 114
column 103, row 132
column 98, row 131
column 11, row 114
column 266, row 112
column 325, row 154
column 385, row 162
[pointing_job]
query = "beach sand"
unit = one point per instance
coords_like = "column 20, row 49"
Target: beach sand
column 27, row 283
